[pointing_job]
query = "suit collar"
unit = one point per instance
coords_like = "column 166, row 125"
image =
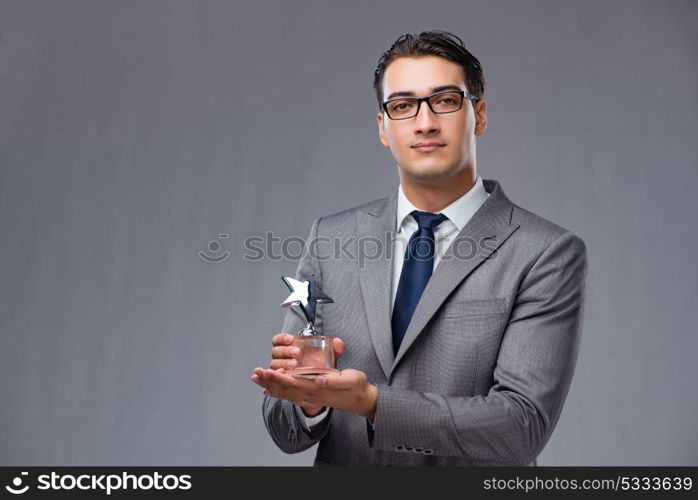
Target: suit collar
column 458, row 212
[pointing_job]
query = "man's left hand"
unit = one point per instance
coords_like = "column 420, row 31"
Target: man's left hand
column 346, row 390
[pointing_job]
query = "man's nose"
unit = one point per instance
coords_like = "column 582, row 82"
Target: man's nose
column 426, row 120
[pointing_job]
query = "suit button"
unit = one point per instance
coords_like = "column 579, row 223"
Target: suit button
column 408, row 448
column 428, row 451
column 399, row 447
column 419, row 450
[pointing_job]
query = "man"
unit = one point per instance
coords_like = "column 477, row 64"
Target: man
column 462, row 352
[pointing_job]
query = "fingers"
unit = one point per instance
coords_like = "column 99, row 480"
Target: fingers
column 280, row 364
column 278, row 384
column 285, row 352
column 282, row 339
column 321, row 380
column 257, row 379
column 346, row 379
column 262, row 378
column 338, row 345
column 266, row 377
column 284, row 357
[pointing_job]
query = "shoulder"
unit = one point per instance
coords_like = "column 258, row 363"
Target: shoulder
column 344, row 221
column 540, row 235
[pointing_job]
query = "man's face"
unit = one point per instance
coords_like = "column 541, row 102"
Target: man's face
column 418, row 77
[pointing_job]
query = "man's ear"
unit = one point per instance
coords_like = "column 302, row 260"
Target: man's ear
column 480, row 117
column 381, row 131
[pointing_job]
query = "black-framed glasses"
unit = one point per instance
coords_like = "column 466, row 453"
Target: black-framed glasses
column 450, row 101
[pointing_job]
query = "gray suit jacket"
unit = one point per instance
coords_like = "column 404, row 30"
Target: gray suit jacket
column 485, row 365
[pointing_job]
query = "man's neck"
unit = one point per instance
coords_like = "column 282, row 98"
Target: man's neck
column 434, row 197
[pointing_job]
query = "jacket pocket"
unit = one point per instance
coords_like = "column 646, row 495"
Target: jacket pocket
column 475, row 307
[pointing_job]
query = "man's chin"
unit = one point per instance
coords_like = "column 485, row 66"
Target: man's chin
column 427, row 175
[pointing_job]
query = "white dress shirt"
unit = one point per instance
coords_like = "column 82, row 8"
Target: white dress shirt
column 459, row 213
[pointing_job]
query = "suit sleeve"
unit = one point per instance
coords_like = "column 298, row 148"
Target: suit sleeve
column 281, row 419
column 536, row 361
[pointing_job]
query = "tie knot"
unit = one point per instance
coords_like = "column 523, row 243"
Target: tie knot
column 427, row 220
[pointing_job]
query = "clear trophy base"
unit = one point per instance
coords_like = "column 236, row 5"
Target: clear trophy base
column 310, row 372
column 316, row 356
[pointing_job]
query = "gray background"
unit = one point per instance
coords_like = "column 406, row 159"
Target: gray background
column 133, row 133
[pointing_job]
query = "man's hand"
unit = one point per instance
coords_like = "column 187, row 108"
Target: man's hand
column 347, row 390
column 284, row 355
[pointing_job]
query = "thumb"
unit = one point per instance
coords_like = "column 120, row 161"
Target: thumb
column 338, row 345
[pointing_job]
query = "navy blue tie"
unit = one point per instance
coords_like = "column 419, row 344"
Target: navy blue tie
column 416, row 271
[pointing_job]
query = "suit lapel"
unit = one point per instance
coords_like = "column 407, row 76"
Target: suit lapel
column 490, row 225
column 378, row 221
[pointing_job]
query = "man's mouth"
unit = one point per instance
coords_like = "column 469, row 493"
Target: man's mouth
column 426, row 147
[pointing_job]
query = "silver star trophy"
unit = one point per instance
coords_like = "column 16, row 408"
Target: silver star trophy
column 316, row 350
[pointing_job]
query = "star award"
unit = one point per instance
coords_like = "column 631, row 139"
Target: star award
column 317, row 352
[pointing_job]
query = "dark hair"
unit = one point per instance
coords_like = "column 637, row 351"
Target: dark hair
column 432, row 43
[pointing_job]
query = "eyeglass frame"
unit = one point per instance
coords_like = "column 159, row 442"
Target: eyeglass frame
column 463, row 95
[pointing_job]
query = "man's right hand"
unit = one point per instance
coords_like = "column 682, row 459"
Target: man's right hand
column 284, row 357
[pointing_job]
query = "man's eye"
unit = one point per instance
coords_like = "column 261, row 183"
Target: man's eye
column 447, row 100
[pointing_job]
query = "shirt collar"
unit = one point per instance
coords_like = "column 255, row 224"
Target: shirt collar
column 459, row 212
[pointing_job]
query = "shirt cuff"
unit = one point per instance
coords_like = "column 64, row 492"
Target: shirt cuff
column 309, row 422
